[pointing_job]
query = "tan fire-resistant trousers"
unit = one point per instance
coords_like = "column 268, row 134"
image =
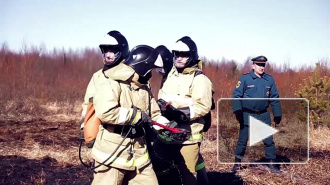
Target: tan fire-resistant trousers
column 115, row 176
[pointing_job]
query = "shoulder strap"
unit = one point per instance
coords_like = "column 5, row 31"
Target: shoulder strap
column 149, row 97
column 198, row 72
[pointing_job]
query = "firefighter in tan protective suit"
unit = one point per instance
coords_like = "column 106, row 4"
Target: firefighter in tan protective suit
column 186, row 96
column 125, row 104
column 124, row 166
column 114, row 48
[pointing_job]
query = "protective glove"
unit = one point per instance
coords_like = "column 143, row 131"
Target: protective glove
column 239, row 116
column 181, row 114
column 163, row 106
column 277, row 119
column 171, row 113
column 139, row 118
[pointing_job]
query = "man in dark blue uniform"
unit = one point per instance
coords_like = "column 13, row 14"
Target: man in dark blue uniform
column 256, row 84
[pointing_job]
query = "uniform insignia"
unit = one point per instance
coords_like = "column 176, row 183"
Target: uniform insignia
column 262, row 58
column 268, row 87
column 250, row 86
column 238, row 84
column 267, row 93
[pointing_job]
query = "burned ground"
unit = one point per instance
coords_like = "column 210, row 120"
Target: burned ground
column 43, row 152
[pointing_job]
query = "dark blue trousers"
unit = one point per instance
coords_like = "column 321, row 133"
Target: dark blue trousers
column 244, row 136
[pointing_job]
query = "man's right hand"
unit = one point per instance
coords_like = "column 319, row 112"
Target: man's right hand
column 239, row 116
column 162, row 105
column 140, row 118
column 172, row 113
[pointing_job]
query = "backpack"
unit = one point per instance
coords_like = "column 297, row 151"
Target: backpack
column 208, row 117
column 90, row 125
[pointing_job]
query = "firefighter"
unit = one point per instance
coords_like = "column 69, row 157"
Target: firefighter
column 185, row 96
column 167, row 58
column 114, row 48
column 124, row 104
column 256, row 84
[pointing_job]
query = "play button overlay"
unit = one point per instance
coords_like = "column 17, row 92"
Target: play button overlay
column 259, row 131
column 290, row 137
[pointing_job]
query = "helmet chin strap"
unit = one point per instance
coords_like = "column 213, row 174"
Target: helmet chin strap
column 108, row 65
column 144, row 79
column 117, row 56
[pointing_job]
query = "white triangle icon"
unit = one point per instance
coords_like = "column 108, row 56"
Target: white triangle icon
column 259, row 130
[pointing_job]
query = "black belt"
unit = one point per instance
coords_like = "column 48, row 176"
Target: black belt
column 255, row 112
column 122, row 130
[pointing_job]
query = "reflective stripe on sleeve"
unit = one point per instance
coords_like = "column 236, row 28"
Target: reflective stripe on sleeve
column 122, row 115
column 200, row 166
column 192, row 112
column 83, row 113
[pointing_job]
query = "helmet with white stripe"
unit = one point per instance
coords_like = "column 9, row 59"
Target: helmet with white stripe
column 117, row 43
column 186, row 46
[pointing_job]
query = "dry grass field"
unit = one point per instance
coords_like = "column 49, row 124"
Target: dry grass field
column 41, row 95
column 46, row 152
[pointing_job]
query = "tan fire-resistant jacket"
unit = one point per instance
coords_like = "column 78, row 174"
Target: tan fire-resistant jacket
column 113, row 102
column 187, row 90
column 99, row 78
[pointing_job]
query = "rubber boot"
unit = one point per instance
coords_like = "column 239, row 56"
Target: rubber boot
column 236, row 166
column 274, row 168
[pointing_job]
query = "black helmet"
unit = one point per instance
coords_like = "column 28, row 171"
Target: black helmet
column 167, row 58
column 187, row 46
column 115, row 41
column 143, row 59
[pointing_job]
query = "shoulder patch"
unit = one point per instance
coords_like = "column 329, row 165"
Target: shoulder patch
column 238, row 84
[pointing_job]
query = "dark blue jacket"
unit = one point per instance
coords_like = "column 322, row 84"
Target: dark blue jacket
column 251, row 86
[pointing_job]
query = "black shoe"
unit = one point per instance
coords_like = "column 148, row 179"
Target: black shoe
column 274, row 168
column 236, row 166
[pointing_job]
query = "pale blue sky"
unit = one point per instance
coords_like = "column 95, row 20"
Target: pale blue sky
column 285, row 31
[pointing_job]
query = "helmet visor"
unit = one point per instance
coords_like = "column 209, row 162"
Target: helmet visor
column 109, row 48
column 183, row 54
